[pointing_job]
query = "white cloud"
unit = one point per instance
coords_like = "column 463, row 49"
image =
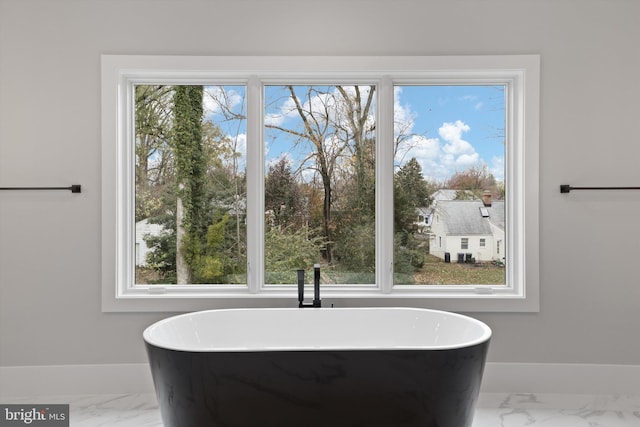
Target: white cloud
column 473, row 99
column 241, row 149
column 309, row 175
column 497, row 168
column 288, row 109
column 241, row 146
column 324, row 106
column 465, row 161
column 403, row 117
column 217, row 96
column 458, row 153
column 284, row 155
column 452, row 132
column 428, row 153
column 273, row 119
column 441, row 157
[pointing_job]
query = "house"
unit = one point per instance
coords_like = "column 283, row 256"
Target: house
column 465, row 230
column 424, row 215
column 143, row 229
column 423, row 219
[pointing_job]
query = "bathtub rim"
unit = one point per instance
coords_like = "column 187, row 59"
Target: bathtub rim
column 484, row 337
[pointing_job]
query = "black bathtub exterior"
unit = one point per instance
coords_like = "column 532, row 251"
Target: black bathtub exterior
column 327, row 388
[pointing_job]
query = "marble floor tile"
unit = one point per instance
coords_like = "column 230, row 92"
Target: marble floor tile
column 549, row 410
column 493, row 410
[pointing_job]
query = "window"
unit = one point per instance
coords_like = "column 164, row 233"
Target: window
column 190, row 187
column 319, row 188
column 464, row 243
column 305, row 160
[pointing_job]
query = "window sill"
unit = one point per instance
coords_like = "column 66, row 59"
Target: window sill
column 459, row 299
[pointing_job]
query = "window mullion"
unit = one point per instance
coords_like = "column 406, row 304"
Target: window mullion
column 384, row 188
column 255, row 186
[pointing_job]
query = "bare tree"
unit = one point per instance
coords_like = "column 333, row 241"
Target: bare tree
column 154, row 157
column 475, row 179
column 333, row 122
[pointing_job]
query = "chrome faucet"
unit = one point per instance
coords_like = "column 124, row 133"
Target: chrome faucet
column 316, row 288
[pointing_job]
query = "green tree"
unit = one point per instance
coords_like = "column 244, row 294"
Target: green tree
column 288, row 249
column 208, row 261
column 283, row 196
column 162, row 255
column 355, row 250
column 190, row 172
column 411, row 191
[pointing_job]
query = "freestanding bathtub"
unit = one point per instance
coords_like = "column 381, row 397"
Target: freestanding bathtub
column 323, row 367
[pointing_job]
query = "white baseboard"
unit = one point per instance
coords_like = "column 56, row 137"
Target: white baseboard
column 25, row 381
column 562, row 378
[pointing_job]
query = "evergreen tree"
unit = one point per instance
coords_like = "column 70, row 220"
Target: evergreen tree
column 411, row 191
column 283, row 196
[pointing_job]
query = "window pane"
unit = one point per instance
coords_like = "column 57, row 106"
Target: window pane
column 190, row 190
column 320, row 182
column 464, row 244
column 449, row 168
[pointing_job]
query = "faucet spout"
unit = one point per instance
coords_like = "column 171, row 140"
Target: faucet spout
column 316, row 286
column 300, row 288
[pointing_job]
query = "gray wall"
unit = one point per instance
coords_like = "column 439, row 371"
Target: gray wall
column 50, row 134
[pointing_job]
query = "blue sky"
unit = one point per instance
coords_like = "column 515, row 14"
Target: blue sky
column 452, row 128
column 447, row 129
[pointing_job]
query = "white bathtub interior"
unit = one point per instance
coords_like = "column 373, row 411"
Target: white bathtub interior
column 316, row 329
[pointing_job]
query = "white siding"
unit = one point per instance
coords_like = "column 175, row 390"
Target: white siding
column 441, row 242
column 144, row 228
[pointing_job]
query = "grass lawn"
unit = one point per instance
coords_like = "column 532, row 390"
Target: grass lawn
column 434, row 272
column 437, row 272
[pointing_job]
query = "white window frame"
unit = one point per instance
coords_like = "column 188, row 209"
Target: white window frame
column 521, row 75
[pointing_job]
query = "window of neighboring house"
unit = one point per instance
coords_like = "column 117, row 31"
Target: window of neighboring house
column 483, row 243
column 221, row 180
column 464, row 243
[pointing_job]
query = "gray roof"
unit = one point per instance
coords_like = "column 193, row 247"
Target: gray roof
column 448, row 194
column 497, row 213
column 464, row 217
column 424, row 211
